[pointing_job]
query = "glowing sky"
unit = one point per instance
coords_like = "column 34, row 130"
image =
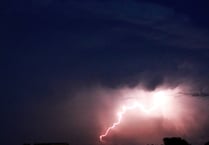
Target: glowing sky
column 157, row 101
column 157, row 113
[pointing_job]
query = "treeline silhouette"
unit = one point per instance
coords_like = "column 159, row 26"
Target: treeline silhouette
column 48, row 144
column 175, row 141
column 166, row 141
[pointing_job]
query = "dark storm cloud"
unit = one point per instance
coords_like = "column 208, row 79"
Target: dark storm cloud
column 162, row 34
column 120, row 39
column 153, row 22
column 122, row 19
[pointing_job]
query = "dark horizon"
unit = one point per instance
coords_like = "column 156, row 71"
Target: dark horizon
column 166, row 141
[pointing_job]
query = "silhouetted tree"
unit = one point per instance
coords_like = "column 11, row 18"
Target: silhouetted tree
column 175, row 141
column 207, row 143
column 51, row 144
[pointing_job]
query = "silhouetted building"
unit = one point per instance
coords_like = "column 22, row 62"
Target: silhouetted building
column 175, row 141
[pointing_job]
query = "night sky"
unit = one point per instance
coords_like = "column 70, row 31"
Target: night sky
column 64, row 61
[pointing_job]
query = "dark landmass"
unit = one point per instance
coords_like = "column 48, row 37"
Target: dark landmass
column 166, row 140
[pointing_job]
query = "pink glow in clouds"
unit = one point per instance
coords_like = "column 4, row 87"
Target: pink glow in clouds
column 177, row 113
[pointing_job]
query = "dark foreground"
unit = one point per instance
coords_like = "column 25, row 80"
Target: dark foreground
column 166, row 140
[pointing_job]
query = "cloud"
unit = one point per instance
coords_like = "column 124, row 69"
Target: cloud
column 155, row 23
column 107, row 24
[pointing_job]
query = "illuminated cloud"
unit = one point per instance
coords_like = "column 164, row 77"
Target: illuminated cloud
column 144, row 122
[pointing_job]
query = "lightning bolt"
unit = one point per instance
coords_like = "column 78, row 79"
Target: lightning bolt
column 159, row 100
column 123, row 111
